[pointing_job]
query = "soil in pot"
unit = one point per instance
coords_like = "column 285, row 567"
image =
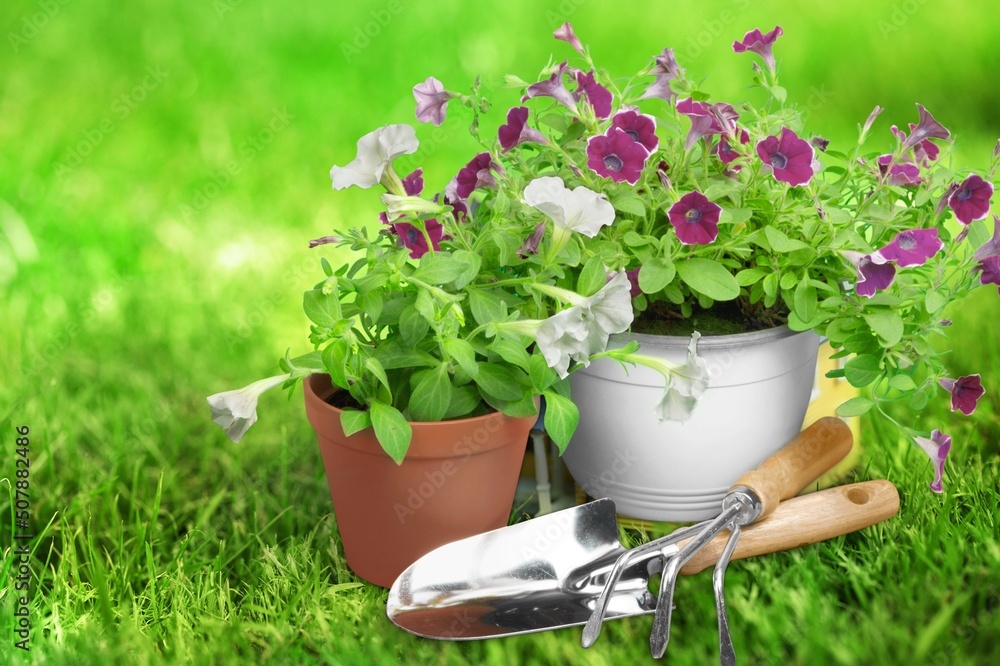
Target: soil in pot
column 728, row 318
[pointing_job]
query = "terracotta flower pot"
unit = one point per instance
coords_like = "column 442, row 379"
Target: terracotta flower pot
column 457, row 480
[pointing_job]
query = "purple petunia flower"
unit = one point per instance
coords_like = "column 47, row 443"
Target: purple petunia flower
column 912, row 247
column 695, row 219
column 926, row 128
column 900, row 173
column 791, row 158
column 616, row 156
column 759, row 43
column 870, row 120
column 432, row 101
column 597, row 96
column 705, row 119
column 666, row 70
column 639, row 126
column 413, row 184
column 965, row 392
column 872, row 276
column 633, row 281
column 411, row 238
column 532, row 242
column 936, row 448
column 971, row 201
column 474, row 175
column 724, row 149
column 516, row 131
column 924, row 152
column 566, row 34
column 990, row 248
column 553, row 87
column 989, row 271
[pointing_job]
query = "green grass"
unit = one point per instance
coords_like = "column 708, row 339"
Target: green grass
column 155, row 280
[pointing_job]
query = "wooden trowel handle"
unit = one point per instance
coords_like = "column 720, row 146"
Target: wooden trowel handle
column 806, row 520
column 814, row 451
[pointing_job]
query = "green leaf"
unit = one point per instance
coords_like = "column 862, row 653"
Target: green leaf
column 592, row 277
column 463, row 353
column 780, row 94
column 862, row 370
column 373, row 366
column 770, row 284
column 464, row 400
column 335, row 361
column 498, row 381
column 353, row 420
column 391, row 429
column 919, row 400
column 934, row 301
column 322, row 309
column 632, row 239
column 542, row 376
column 630, row 203
column 486, row 306
column 371, row 304
column 855, row 407
column 512, row 352
column 656, row 274
column 520, row 408
column 393, row 354
column 473, row 262
column 780, row 242
column 749, row 276
column 440, row 268
column 902, row 383
column 413, row 326
column 432, row 395
column 561, row 419
column 710, row 278
column 735, row 215
column 805, row 299
column 839, row 329
column 888, row 325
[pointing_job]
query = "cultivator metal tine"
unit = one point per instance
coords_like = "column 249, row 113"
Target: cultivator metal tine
column 660, row 635
column 727, row 654
column 596, row 621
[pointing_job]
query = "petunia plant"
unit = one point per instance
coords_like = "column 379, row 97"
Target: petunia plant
column 607, row 204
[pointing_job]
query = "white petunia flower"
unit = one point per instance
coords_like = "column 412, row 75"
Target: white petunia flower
column 582, row 210
column 686, row 383
column 236, row 410
column 563, row 338
column 582, row 330
column 376, row 152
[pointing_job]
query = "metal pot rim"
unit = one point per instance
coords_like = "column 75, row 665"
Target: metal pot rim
column 713, row 341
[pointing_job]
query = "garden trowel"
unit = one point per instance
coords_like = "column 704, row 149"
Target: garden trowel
column 550, row 572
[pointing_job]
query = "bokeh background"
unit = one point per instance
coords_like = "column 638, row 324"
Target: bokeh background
column 162, row 168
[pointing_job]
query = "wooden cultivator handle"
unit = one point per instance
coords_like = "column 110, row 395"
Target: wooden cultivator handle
column 805, row 520
column 806, row 458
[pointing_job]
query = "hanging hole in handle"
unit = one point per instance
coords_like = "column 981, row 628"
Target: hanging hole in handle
column 859, row 496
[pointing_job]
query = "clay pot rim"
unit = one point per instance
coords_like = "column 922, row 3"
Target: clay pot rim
column 307, row 384
column 430, row 438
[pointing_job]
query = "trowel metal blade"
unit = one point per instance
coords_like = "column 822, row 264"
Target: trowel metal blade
column 545, row 573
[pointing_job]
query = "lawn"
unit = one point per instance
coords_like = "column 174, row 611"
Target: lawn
column 163, row 168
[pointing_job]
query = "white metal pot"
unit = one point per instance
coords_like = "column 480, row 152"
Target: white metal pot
column 759, row 389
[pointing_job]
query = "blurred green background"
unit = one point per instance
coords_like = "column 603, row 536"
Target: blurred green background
column 163, row 166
